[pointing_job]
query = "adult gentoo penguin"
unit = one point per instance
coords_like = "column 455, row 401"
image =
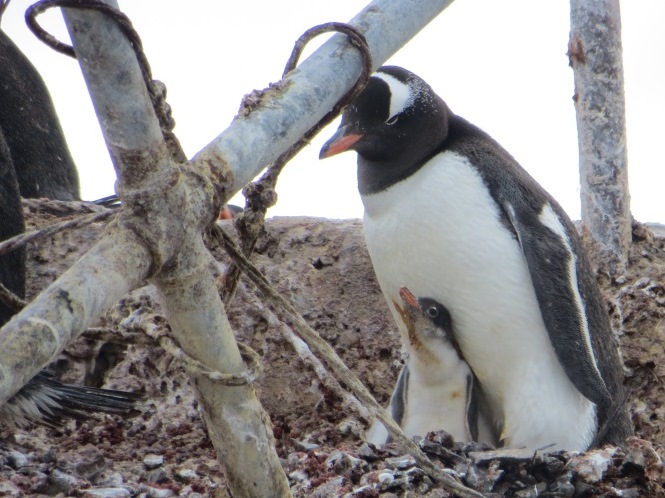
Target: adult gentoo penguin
column 435, row 387
column 452, row 216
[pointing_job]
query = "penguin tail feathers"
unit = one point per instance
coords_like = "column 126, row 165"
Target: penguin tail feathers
column 46, row 401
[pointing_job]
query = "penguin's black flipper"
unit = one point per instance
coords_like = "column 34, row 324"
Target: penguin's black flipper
column 110, row 201
column 569, row 301
column 399, row 398
column 472, row 408
column 44, row 400
column 397, row 408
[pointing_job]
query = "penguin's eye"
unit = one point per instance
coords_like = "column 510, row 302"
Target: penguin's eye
column 392, row 120
column 432, row 312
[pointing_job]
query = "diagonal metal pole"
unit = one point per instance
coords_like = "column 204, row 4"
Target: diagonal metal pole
column 156, row 194
column 301, row 99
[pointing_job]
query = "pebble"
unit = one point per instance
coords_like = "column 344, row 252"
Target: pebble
column 367, row 453
column 16, row 459
column 563, row 486
column 60, row 482
column 473, row 477
column 157, row 475
column 151, row 461
column 51, row 456
column 90, row 463
column 304, row 446
column 298, row 476
column 186, row 475
column 188, row 492
column 591, row 466
column 38, row 480
column 113, row 480
column 365, row 491
column 7, row 488
column 150, row 492
column 400, row 462
column 415, row 473
column 385, row 479
column 351, row 427
column 107, row 493
column 531, row 491
column 627, row 493
column 330, row 488
column 432, row 448
column 641, row 454
column 443, row 438
column 642, row 282
column 161, row 493
column 340, row 462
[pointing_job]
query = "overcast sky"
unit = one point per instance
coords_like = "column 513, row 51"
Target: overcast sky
column 502, row 65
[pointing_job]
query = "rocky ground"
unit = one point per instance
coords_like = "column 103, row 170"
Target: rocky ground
column 322, row 266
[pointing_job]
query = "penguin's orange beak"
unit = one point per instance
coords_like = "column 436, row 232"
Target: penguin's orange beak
column 408, row 297
column 341, row 141
column 225, row 213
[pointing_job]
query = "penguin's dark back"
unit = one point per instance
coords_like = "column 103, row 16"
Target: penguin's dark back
column 34, row 158
column 44, row 167
column 490, row 158
column 12, row 264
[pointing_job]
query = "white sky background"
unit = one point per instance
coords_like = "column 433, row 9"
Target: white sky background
column 501, row 65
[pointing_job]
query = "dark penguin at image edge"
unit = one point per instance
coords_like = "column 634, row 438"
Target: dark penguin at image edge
column 451, row 215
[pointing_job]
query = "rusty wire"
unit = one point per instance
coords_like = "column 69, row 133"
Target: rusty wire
column 261, row 195
column 156, row 89
column 143, row 330
column 10, row 299
column 50, row 230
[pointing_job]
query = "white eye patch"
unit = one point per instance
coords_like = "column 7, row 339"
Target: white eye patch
column 401, row 95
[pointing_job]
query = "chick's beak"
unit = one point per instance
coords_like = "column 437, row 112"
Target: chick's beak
column 408, row 298
column 341, row 141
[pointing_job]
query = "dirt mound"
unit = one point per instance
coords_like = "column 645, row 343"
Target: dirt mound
column 322, row 266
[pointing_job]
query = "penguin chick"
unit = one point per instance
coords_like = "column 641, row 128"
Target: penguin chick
column 435, row 387
column 44, row 400
column 453, row 216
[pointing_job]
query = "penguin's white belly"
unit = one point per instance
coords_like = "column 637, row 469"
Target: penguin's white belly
column 437, row 397
column 435, row 404
column 439, row 233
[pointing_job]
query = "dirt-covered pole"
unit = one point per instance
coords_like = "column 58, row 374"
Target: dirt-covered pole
column 168, row 207
column 595, row 55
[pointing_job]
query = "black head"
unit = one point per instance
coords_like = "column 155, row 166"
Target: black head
column 395, row 125
column 436, row 312
column 424, row 315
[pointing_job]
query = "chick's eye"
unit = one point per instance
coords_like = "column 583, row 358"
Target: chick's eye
column 432, row 312
column 392, row 120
